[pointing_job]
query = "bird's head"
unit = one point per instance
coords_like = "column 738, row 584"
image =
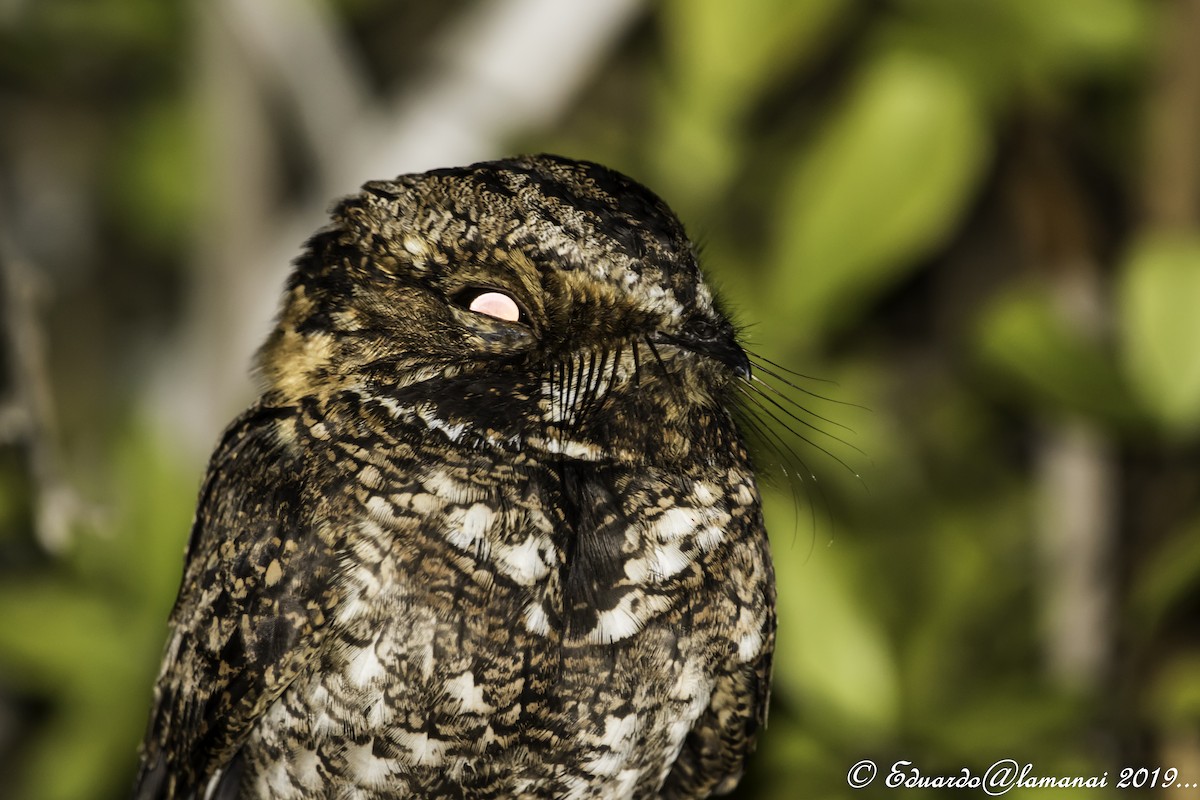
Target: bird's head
column 536, row 303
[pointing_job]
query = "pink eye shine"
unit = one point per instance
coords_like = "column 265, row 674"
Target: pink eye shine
column 497, row 305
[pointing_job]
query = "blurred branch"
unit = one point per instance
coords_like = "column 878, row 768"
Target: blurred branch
column 1170, row 193
column 1171, row 200
column 503, row 67
column 28, row 416
column 201, row 381
column 1076, row 474
column 296, row 47
column 1076, row 479
column 508, row 66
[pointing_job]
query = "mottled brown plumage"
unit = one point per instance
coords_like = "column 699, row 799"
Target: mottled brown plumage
column 449, row 553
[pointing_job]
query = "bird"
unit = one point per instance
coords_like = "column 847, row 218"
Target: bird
column 492, row 528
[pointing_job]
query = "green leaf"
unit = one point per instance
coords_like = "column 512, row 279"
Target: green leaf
column 1025, row 49
column 110, row 23
column 721, row 59
column 833, row 656
column 1038, row 356
column 1075, row 35
column 87, row 749
column 154, row 178
column 885, row 182
column 143, row 554
column 1159, row 296
column 51, row 627
column 724, row 55
column 1175, row 691
column 1167, row 578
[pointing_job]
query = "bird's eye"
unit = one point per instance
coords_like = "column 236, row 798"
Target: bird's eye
column 492, row 303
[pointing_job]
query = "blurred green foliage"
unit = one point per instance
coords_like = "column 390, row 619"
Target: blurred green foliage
column 87, row 630
column 897, row 196
column 1159, row 287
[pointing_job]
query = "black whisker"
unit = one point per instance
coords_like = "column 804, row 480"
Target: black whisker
column 595, row 376
column 783, row 409
column 556, row 398
column 612, row 373
column 759, row 382
column 591, row 373
column 573, row 370
column 754, row 398
column 792, row 372
column 772, row 440
column 579, row 360
column 788, row 459
column 789, row 455
column 637, row 365
column 808, row 392
column 667, row 376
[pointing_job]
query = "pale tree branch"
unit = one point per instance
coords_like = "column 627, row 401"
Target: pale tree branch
column 1075, row 472
column 295, row 48
column 27, row 418
column 504, row 67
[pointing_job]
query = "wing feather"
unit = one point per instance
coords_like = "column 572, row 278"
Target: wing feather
column 252, row 611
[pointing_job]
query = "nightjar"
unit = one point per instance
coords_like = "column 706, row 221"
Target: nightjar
column 492, row 529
